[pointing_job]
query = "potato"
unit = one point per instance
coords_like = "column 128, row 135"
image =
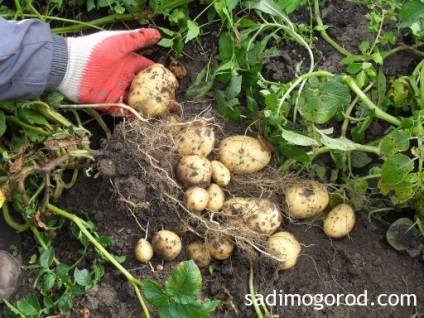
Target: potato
column 152, row 92
column 220, row 247
column 143, row 251
column 194, row 171
column 306, row 199
column 339, row 221
column 10, row 275
column 243, row 154
column 260, row 215
column 166, row 244
column 285, row 247
column 196, row 199
column 198, row 252
column 220, row 173
column 216, row 197
column 198, row 139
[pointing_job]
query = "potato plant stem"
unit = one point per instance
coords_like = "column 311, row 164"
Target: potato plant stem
column 80, row 223
column 252, row 292
column 378, row 112
column 321, row 27
column 11, row 222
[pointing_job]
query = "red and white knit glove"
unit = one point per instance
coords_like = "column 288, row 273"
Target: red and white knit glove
column 102, row 65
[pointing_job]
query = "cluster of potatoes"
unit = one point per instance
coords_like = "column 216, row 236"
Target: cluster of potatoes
column 204, row 181
column 309, row 198
column 152, row 93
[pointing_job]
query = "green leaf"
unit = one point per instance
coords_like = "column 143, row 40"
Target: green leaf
column 293, row 152
column 193, row 31
column 48, row 281
column 291, row 6
column 319, row 102
column 3, row 125
column 166, row 42
column 395, row 169
column 400, row 233
column 411, row 15
column 105, row 240
column 82, row 277
column 360, row 159
column 235, row 87
column 398, row 193
column 65, row 303
column 90, row 5
column 155, row 294
column 185, row 282
column 360, row 186
column 46, row 258
column 396, row 141
column 266, row 6
column 231, row 4
column 29, row 305
column 133, row 6
column 341, row 143
column 297, row 138
column 193, row 309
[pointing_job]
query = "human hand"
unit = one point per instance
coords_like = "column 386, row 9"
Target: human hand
column 102, row 65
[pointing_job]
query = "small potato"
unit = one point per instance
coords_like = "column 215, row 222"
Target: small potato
column 166, row 244
column 220, row 173
column 152, row 92
column 339, row 221
column 285, row 247
column 216, row 197
column 198, row 139
column 260, row 215
column 198, row 252
column 243, row 154
column 143, row 251
column 194, row 171
column 220, row 247
column 306, row 199
column 196, row 199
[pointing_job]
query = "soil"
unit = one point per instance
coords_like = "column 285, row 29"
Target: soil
column 361, row 264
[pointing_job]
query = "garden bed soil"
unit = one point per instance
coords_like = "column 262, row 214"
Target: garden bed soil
column 362, row 263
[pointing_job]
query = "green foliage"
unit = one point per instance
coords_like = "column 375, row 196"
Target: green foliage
column 411, row 16
column 292, row 115
column 180, row 297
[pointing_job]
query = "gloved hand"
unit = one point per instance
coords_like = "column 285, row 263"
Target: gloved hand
column 102, row 65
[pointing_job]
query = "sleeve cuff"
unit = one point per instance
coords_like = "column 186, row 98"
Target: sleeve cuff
column 59, row 63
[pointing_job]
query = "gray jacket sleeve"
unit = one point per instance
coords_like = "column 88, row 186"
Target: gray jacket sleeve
column 32, row 59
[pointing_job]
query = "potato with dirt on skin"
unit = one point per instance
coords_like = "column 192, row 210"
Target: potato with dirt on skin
column 340, row 221
column 216, row 197
column 220, row 247
column 152, row 91
column 243, row 154
column 306, row 199
column 260, row 215
column 194, row 171
column 197, row 139
column 196, row 199
column 198, row 252
column 166, row 244
column 220, row 173
column 285, row 247
column 143, row 251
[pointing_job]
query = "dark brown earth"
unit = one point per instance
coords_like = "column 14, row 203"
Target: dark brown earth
column 362, row 263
